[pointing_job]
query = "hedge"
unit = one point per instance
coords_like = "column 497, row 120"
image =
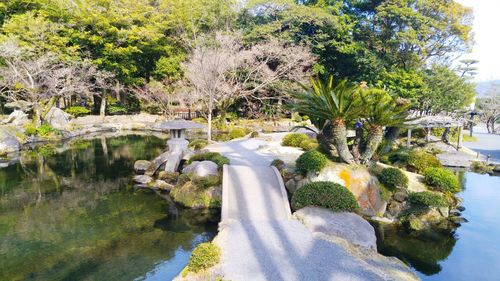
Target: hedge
column 311, row 161
column 393, row 178
column 324, row 194
column 442, row 180
column 427, row 199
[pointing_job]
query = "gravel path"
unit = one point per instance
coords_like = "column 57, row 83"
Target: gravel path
column 487, row 144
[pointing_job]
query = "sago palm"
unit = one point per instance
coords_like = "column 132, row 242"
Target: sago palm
column 380, row 110
column 330, row 108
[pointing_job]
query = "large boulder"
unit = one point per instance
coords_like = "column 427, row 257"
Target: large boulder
column 201, row 168
column 358, row 180
column 140, row 166
column 17, row 118
column 348, row 226
column 8, row 142
column 57, row 118
column 143, row 179
column 194, row 197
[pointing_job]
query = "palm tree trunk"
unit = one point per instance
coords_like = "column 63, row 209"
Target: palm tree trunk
column 339, row 139
column 374, row 138
column 356, row 146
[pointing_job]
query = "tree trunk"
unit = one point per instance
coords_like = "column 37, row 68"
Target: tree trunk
column 102, row 110
column 391, row 136
column 445, row 137
column 339, row 139
column 324, row 142
column 356, row 146
column 209, row 130
column 374, row 138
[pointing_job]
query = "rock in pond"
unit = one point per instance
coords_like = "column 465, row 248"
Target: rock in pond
column 201, row 169
column 143, row 179
column 348, row 226
column 8, row 142
column 162, row 185
column 57, row 118
column 17, row 118
column 140, row 166
column 192, row 196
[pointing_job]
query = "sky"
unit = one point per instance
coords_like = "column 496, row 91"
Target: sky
column 487, row 38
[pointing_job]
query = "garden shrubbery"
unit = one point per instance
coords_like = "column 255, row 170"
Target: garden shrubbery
column 77, row 111
column 294, row 139
column 215, row 157
column 427, row 199
column 324, row 194
column 442, row 180
column 311, row 161
column 393, row 178
column 204, row 256
column 206, row 182
column 419, row 160
column 43, row 130
column 237, row 133
column 198, row 144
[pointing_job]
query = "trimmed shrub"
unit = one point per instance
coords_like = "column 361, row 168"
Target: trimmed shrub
column 204, row 256
column 45, row 130
column 254, row 134
column 311, row 161
column 198, row 144
column 278, row 163
column 77, row 111
column 418, row 161
column 294, row 139
column 309, row 144
column 400, row 156
column 442, row 180
column 117, row 109
column 324, row 194
column 427, row 199
column 30, row 130
column 215, row 157
column 393, row 178
column 237, row 133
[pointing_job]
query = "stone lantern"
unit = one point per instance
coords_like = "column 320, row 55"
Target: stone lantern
column 177, row 144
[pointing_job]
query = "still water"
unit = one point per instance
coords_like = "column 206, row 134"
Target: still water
column 71, row 213
column 470, row 252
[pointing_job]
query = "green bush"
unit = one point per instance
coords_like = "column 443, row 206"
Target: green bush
column 418, row 161
column 442, row 180
column 204, row 256
column 311, row 161
column 278, row 163
column 296, row 117
column 117, row 109
column 427, row 199
column 393, row 178
column 324, row 194
column 198, row 144
column 237, row 133
column 294, row 139
column 30, row 130
column 215, row 157
column 77, row 111
column 45, row 130
column 400, row 156
column 309, row 144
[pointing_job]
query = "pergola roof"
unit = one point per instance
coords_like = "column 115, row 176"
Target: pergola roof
column 179, row 124
column 435, row 121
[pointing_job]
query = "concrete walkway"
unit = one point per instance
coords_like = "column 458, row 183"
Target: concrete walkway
column 260, row 241
column 486, row 144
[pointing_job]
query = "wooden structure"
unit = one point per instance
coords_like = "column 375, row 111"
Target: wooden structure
column 436, row 121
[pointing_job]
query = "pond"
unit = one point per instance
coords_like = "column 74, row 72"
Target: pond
column 470, row 252
column 71, row 213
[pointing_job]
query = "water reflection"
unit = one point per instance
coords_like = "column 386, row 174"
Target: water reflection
column 72, row 214
column 469, row 252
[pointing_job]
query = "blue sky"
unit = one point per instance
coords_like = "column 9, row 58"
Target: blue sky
column 487, row 37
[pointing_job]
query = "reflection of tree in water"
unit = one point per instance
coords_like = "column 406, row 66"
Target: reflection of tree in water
column 74, row 215
column 423, row 251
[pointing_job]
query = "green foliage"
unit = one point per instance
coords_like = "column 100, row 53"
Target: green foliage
column 170, row 177
column 117, row 109
column 442, row 180
column 324, row 194
column 311, row 161
column 393, row 178
column 427, row 199
column 43, row 130
column 419, row 160
column 237, row 133
column 46, row 150
column 481, row 167
column 294, row 139
column 30, row 130
column 215, row 157
column 278, row 163
column 198, row 144
column 206, row 182
column 204, row 256
column 309, row 144
column 77, row 111
column 400, row 156
column 200, row 120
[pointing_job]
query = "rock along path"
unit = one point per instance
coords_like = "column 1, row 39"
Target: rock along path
column 260, row 240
